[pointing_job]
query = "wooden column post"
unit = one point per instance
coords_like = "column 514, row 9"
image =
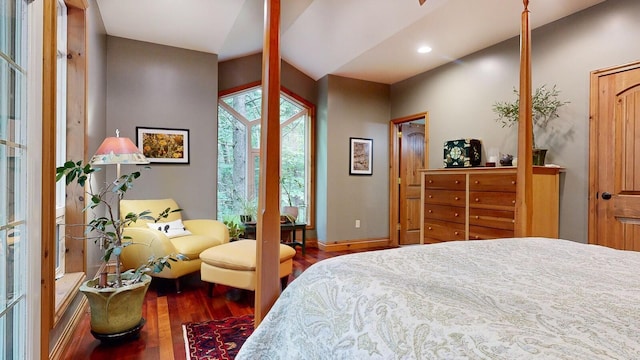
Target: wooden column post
column 524, row 192
column 48, row 257
column 268, row 227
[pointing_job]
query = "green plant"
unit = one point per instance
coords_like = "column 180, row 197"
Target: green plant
column 292, row 188
column 236, row 229
column 544, row 102
column 249, row 206
column 107, row 230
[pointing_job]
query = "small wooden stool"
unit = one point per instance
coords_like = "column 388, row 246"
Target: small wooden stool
column 234, row 264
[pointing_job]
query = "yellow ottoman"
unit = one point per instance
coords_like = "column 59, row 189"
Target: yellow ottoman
column 234, row 264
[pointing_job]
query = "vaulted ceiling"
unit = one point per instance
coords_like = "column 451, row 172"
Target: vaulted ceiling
column 375, row 40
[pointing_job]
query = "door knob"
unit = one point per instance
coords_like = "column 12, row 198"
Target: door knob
column 606, row 196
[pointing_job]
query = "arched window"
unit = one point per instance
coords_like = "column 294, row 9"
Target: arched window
column 239, row 116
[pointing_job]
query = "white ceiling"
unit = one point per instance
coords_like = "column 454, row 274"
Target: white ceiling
column 373, row 40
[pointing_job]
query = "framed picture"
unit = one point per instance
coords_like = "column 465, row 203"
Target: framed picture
column 360, row 156
column 164, row 146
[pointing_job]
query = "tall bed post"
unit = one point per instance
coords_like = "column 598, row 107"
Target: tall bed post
column 524, row 176
column 268, row 224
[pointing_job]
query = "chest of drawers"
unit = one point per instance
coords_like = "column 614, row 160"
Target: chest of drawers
column 479, row 203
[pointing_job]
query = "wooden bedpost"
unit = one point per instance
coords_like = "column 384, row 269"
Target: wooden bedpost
column 524, row 185
column 268, row 226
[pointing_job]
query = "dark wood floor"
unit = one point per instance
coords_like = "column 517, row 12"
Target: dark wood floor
column 166, row 311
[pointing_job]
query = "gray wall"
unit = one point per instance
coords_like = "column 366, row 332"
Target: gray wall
column 248, row 69
column 352, row 108
column 459, row 96
column 161, row 86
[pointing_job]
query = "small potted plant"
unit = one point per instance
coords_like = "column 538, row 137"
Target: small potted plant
column 292, row 188
column 545, row 104
column 249, row 210
column 236, row 229
column 116, row 299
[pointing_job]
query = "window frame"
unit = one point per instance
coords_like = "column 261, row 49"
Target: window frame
column 61, row 131
column 252, row 153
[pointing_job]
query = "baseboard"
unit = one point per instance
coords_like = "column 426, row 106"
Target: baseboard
column 65, row 338
column 351, row 245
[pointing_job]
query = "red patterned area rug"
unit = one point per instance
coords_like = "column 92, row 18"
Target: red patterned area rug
column 216, row 339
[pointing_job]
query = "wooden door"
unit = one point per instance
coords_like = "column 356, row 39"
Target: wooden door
column 614, row 217
column 412, row 149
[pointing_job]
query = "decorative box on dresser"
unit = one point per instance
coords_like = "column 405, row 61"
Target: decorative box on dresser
column 479, row 203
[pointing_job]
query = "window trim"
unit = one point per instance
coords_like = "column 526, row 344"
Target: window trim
column 311, row 215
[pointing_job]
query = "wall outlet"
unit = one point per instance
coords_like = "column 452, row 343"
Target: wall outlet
column 357, row 224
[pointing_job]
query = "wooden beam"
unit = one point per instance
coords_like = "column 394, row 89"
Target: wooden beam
column 47, row 306
column 76, row 129
column 268, row 227
column 77, row 4
column 524, row 176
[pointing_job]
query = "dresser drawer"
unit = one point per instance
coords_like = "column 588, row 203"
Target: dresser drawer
column 498, row 200
column 445, row 197
column 492, row 182
column 442, row 212
column 482, row 233
column 498, row 219
column 445, row 181
column 443, row 230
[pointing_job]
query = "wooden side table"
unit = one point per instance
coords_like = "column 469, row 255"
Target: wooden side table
column 250, row 233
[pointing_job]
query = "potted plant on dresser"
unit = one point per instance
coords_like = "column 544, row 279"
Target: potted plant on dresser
column 545, row 105
column 115, row 299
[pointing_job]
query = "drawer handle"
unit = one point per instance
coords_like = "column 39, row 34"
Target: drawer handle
column 456, row 233
column 513, row 201
column 456, row 198
column 430, row 211
column 513, row 182
column 456, row 215
column 430, row 228
column 477, row 200
column 430, row 196
column 430, row 181
column 477, row 217
column 477, row 182
column 477, row 237
column 513, row 221
column 457, row 181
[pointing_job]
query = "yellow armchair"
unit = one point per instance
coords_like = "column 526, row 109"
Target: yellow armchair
column 147, row 240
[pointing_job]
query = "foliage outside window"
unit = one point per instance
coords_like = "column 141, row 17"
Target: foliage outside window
column 239, row 116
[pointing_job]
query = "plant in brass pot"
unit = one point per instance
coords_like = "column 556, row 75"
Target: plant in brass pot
column 545, row 104
column 116, row 299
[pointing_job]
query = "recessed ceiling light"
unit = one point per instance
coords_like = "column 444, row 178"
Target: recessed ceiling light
column 424, row 49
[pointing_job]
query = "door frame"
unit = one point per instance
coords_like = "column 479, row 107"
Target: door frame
column 394, row 170
column 594, row 152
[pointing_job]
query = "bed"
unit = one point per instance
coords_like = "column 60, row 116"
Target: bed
column 518, row 298
column 486, row 299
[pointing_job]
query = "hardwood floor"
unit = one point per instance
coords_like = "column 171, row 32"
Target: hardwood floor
column 166, row 311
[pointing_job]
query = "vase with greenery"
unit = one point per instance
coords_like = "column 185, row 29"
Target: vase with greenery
column 292, row 188
column 545, row 104
column 249, row 210
column 111, row 315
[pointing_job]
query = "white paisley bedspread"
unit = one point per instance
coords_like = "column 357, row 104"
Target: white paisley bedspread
column 488, row 299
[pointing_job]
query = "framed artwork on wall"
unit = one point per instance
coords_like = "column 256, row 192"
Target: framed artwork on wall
column 162, row 145
column 360, row 156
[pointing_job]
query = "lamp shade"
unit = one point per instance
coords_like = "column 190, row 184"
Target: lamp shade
column 118, row 150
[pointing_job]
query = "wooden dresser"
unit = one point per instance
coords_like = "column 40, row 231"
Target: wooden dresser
column 479, row 203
